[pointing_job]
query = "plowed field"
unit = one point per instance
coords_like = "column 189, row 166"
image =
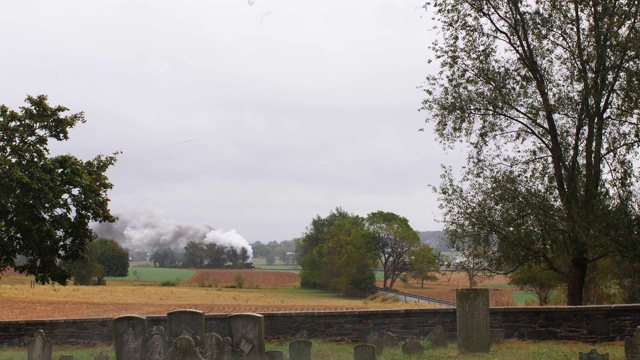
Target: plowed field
column 252, row 278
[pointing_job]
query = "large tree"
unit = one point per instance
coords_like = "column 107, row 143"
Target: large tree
column 104, row 257
column 394, row 239
column 338, row 253
column 46, row 202
column 546, row 96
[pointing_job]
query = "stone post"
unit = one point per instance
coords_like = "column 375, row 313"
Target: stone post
column 472, row 318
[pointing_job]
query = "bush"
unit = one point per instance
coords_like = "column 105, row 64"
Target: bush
column 239, row 281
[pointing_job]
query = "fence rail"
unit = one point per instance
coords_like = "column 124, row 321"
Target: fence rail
column 416, row 298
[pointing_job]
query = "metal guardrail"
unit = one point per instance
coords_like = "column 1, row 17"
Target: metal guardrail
column 406, row 297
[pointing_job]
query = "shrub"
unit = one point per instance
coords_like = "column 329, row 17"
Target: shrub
column 239, row 281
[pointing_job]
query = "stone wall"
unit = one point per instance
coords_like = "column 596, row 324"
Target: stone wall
column 584, row 323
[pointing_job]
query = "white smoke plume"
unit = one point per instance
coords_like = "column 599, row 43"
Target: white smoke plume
column 149, row 229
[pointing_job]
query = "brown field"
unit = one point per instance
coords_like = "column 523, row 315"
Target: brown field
column 21, row 302
column 265, row 279
column 445, row 288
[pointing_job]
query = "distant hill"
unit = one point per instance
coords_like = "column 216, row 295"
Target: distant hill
column 435, row 239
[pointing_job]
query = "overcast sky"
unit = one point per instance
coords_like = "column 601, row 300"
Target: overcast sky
column 253, row 115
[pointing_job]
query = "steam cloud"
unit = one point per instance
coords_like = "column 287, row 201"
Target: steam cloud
column 150, row 229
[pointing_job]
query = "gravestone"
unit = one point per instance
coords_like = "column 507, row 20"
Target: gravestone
column 185, row 323
column 65, row 357
column 183, row 348
column 632, row 346
column 274, row 355
column 226, row 341
column 472, row 318
column 302, row 335
column 364, row 352
column 593, row 355
column 438, row 337
column 375, row 340
column 212, row 347
column 300, row 350
column 412, row 346
column 39, row 347
column 389, row 340
column 237, row 354
column 101, row 356
column 247, row 334
column 129, row 334
column 157, row 346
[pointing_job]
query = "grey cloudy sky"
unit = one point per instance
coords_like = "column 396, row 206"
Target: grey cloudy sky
column 248, row 115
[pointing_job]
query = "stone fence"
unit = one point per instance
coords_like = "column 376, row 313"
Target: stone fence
column 582, row 323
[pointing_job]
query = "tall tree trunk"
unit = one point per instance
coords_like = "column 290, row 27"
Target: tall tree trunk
column 575, row 280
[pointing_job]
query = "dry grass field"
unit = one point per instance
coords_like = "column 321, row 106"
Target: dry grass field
column 22, row 302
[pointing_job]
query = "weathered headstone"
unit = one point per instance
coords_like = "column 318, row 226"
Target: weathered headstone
column 157, row 346
column 185, row 323
column 438, row 337
column 101, row 356
column 183, row 348
column 302, row 335
column 472, row 318
column 247, row 334
column 300, row 350
column 237, row 354
column 212, row 347
column 375, row 340
column 226, row 341
column 364, row 352
column 632, row 346
column 129, row 336
column 593, row 355
column 389, row 340
column 65, row 357
column 39, row 347
column 412, row 346
column 274, row 355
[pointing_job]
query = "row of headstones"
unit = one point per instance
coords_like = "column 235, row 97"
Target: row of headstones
column 185, row 338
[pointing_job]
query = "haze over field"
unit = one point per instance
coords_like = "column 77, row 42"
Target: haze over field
column 247, row 117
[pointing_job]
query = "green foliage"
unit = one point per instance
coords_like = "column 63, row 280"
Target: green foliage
column 545, row 94
column 337, row 253
column 271, row 259
column 104, row 257
column 194, row 255
column 164, row 257
column 46, row 202
column 239, row 281
column 537, row 280
column 423, row 263
column 394, row 239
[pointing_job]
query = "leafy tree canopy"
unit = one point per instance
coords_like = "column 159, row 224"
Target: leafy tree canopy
column 546, row 96
column 394, row 239
column 46, row 202
column 338, row 253
column 104, row 257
